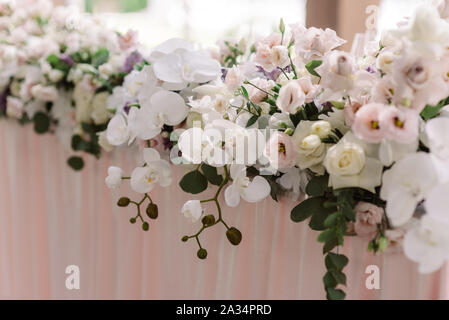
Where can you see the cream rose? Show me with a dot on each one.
(349, 165)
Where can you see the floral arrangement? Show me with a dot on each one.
(360, 142)
(58, 69)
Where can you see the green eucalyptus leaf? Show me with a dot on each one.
(335, 294)
(317, 186)
(329, 280)
(339, 276)
(306, 209)
(194, 182)
(327, 236)
(339, 261)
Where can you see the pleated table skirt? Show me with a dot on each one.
(52, 217)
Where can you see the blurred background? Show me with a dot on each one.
(206, 21)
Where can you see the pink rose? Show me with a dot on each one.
(367, 124)
(280, 151)
(399, 124)
(367, 216)
(291, 97)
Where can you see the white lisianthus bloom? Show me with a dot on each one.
(117, 132)
(279, 57)
(156, 171)
(250, 191)
(291, 97)
(428, 244)
(437, 134)
(192, 210)
(406, 184)
(164, 107)
(114, 178)
(349, 165)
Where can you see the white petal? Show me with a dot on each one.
(438, 134)
(237, 170)
(437, 203)
(171, 105)
(117, 132)
(257, 190)
(150, 155)
(168, 69)
(200, 68)
(139, 182)
(170, 46)
(232, 196)
(400, 208)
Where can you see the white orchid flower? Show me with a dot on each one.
(428, 244)
(192, 210)
(155, 171)
(176, 63)
(117, 132)
(114, 178)
(242, 187)
(406, 184)
(164, 107)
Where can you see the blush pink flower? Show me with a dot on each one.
(291, 97)
(310, 90)
(264, 51)
(400, 124)
(367, 124)
(280, 151)
(255, 94)
(128, 40)
(367, 216)
(350, 110)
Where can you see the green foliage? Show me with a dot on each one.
(312, 65)
(100, 57)
(41, 123)
(58, 64)
(211, 174)
(76, 163)
(194, 182)
(318, 186)
(431, 112)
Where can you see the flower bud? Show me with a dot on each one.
(208, 220)
(202, 254)
(152, 211)
(132, 220)
(123, 202)
(234, 236)
(185, 239)
(145, 226)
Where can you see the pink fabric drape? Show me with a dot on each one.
(52, 217)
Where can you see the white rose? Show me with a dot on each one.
(349, 166)
(82, 98)
(291, 97)
(192, 210)
(345, 159)
(43, 93)
(100, 113)
(14, 107)
(55, 75)
(114, 178)
(104, 143)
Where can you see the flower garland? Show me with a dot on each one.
(58, 69)
(361, 142)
